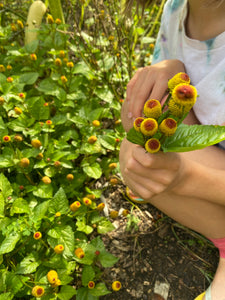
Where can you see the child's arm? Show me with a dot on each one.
(148, 82)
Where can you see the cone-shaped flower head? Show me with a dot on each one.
(52, 276)
(79, 253)
(152, 108)
(91, 284)
(101, 206)
(37, 235)
(38, 291)
(116, 285)
(168, 126)
(59, 249)
(87, 201)
(75, 206)
(152, 145)
(177, 79)
(137, 123)
(184, 94)
(149, 126)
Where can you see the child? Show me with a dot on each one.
(189, 187)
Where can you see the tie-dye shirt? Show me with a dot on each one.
(204, 61)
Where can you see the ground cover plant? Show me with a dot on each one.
(60, 130)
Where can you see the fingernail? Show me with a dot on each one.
(130, 115)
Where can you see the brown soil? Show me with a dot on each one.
(155, 249)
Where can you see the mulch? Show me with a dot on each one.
(152, 248)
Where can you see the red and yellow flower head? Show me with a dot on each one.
(149, 126)
(177, 79)
(116, 286)
(152, 145)
(152, 109)
(38, 291)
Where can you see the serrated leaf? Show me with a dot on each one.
(88, 274)
(84, 294)
(29, 78)
(9, 243)
(37, 108)
(93, 170)
(59, 202)
(66, 292)
(135, 137)
(107, 259)
(39, 212)
(19, 206)
(104, 94)
(6, 296)
(107, 141)
(105, 226)
(100, 290)
(28, 265)
(193, 137)
(5, 186)
(43, 191)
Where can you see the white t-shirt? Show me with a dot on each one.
(204, 61)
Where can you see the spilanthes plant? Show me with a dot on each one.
(161, 128)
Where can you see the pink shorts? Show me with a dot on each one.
(220, 244)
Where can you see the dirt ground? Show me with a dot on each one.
(154, 250)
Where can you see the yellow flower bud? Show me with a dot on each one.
(2, 69)
(101, 206)
(152, 145)
(87, 201)
(79, 253)
(96, 123)
(137, 123)
(116, 286)
(114, 214)
(38, 291)
(37, 235)
(36, 143)
(177, 79)
(24, 162)
(149, 126)
(52, 276)
(46, 180)
(33, 56)
(59, 249)
(69, 177)
(168, 126)
(75, 206)
(18, 110)
(152, 109)
(58, 62)
(50, 19)
(92, 139)
(91, 284)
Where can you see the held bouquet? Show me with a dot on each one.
(161, 128)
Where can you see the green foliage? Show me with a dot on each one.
(51, 91)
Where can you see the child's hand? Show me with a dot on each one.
(149, 174)
(150, 82)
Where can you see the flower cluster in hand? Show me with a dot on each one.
(160, 122)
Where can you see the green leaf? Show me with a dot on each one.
(107, 141)
(44, 191)
(107, 259)
(66, 292)
(98, 244)
(88, 274)
(19, 206)
(29, 78)
(105, 226)
(6, 296)
(93, 170)
(100, 290)
(193, 137)
(6, 161)
(65, 236)
(37, 108)
(28, 265)
(59, 202)
(82, 68)
(81, 226)
(84, 294)
(13, 282)
(39, 212)
(9, 243)
(104, 94)
(5, 186)
(2, 205)
(135, 137)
